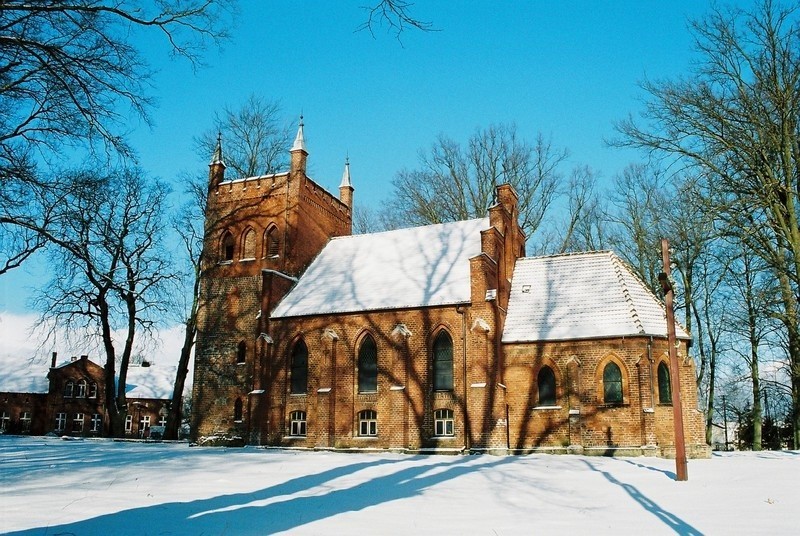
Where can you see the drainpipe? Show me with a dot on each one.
(461, 310)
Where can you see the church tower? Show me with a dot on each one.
(261, 233)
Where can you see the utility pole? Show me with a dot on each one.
(725, 417)
(681, 471)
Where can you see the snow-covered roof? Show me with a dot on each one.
(581, 296)
(414, 267)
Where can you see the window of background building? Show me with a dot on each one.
(69, 387)
(96, 423)
(61, 421)
(129, 423)
(25, 421)
(80, 392)
(5, 421)
(77, 423)
(92, 390)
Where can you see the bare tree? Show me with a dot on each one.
(736, 119)
(111, 271)
(455, 183)
(396, 15)
(188, 225)
(585, 227)
(254, 136)
(69, 73)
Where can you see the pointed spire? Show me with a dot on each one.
(346, 175)
(299, 140)
(216, 158)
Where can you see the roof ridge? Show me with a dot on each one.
(406, 229)
(569, 254)
(618, 267)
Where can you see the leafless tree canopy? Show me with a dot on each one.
(735, 121)
(455, 182)
(67, 68)
(396, 15)
(255, 138)
(112, 272)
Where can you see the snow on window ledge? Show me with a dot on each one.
(546, 408)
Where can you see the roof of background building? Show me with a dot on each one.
(414, 267)
(581, 296)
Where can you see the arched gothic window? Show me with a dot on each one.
(237, 410)
(368, 366)
(272, 246)
(664, 384)
(249, 244)
(612, 384)
(443, 362)
(299, 368)
(546, 385)
(226, 247)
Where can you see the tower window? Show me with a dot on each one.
(249, 244)
(241, 353)
(237, 410)
(272, 246)
(226, 247)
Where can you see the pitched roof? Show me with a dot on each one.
(581, 296)
(414, 267)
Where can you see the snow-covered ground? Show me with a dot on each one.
(86, 487)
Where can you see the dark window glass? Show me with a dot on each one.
(237, 410)
(612, 384)
(241, 352)
(368, 366)
(299, 372)
(546, 383)
(227, 247)
(664, 385)
(443, 362)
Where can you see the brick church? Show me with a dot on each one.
(441, 338)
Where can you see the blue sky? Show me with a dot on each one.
(567, 69)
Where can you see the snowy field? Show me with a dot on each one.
(87, 487)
